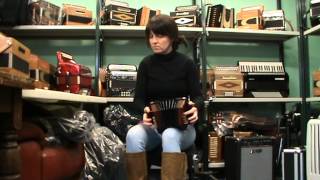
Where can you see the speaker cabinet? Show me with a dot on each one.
(249, 158)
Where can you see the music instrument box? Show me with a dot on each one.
(14, 57)
(71, 76)
(76, 15)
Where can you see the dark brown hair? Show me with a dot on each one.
(164, 25)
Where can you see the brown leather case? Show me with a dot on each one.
(228, 83)
(215, 148)
(36, 62)
(144, 14)
(250, 19)
(316, 91)
(77, 15)
(40, 72)
(14, 57)
(44, 13)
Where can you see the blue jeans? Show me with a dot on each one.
(142, 138)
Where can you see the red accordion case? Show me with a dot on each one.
(71, 76)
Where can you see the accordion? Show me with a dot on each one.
(45, 13)
(71, 76)
(169, 113)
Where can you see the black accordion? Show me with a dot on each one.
(170, 113)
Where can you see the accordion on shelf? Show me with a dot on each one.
(45, 13)
(264, 79)
(39, 72)
(187, 16)
(250, 17)
(76, 15)
(315, 12)
(169, 113)
(220, 16)
(118, 15)
(228, 81)
(121, 80)
(274, 20)
(144, 14)
(71, 76)
(14, 57)
(316, 83)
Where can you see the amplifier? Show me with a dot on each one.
(293, 164)
(249, 158)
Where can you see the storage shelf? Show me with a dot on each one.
(119, 99)
(313, 31)
(249, 34)
(50, 96)
(139, 31)
(313, 99)
(232, 100)
(50, 31)
(216, 165)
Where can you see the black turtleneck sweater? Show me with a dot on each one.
(167, 76)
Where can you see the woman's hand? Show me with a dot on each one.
(192, 113)
(147, 120)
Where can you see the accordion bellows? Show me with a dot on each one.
(169, 113)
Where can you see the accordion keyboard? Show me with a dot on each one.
(261, 67)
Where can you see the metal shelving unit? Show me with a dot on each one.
(313, 31)
(245, 100)
(51, 96)
(50, 31)
(138, 31)
(249, 34)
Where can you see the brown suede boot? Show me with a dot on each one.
(136, 165)
(174, 166)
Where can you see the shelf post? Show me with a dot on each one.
(303, 66)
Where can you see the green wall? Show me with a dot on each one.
(128, 51)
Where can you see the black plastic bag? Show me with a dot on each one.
(119, 120)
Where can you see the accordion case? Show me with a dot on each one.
(144, 14)
(185, 18)
(118, 15)
(220, 16)
(228, 82)
(250, 19)
(39, 72)
(76, 15)
(274, 20)
(45, 13)
(71, 76)
(14, 57)
(316, 83)
(315, 12)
